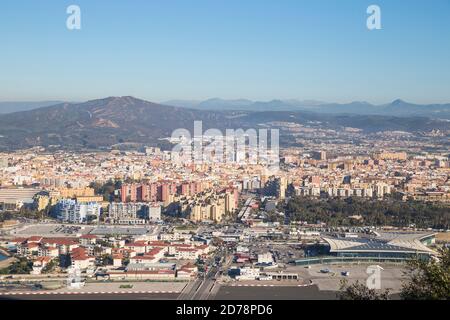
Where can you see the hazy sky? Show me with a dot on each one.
(198, 49)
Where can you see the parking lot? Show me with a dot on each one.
(50, 230)
(282, 253)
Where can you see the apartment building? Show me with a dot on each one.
(68, 210)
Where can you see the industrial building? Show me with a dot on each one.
(393, 246)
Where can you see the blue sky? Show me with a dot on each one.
(197, 49)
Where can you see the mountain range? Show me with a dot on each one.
(397, 108)
(95, 123)
(103, 123)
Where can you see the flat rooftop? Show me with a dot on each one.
(381, 242)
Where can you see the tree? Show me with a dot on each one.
(107, 259)
(107, 190)
(21, 266)
(51, 266)
(6, 215)
(359, 291)
(337, 212)
(428, 279)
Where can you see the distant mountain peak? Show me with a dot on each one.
(398, 102)
(119, 102)
(127, 99)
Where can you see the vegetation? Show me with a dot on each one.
(429, 280)
(6, 215)
(359, 291)
(200, 264)
(24, 212)
(51, 266)
(106, 260)
(107, 189)
(141, 113)
(339, 212)
(105, 243)
(274, 216)
(21, 266)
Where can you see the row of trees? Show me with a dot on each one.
(107, 190)
(24, 212)
(338, 212)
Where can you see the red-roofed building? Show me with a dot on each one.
(117, 260)
(144, 259)
(153, 255)
(87, 239)
(157, 252)
(48, 251)
(28, 249)
(187, 271)
(160, 244)
(40, 263)
(172, 250)
(64, 245)
(34, 239)
(187, 253)
(80, 259)
(127, 253)
(140, 247)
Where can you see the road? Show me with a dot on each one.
(204, 291)
(200, 288)
(190, 290)
(206, 287)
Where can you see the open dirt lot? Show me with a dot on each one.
(443, 236)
